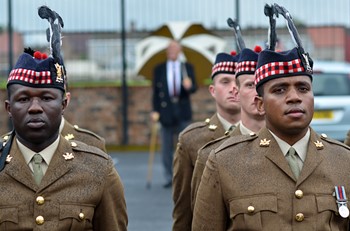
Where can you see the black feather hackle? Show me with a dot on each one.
(270, 11)
(237, 29)
(53, 33)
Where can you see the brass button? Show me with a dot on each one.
(251, 209)
(163, 104)
(39, 220)
(299, 217)
(76, 126)
(81, 216)
(73, 144)
(299, 194)
(40, 200)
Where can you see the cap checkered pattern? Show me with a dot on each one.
(30, 76)
(224, 63)
(224, 67)
(278, 68)
(288, 63)
(246, 66)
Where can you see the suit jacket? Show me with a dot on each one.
(71, 132)
(247, 184)
(80, 193)
(190, 140)
(171, 113)
(202, 158)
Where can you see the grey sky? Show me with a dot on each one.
(88, 15)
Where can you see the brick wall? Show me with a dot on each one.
(100, 110)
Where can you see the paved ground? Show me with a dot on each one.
(149, 209)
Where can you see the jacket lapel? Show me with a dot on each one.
(219, 131)
(58, 166)
(313, 158)
(273, 152)
(18, 169)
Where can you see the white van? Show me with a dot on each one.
(331, 86)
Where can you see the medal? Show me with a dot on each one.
(341, 201)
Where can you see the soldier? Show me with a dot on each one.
(224, 91)
(251, 120)
(48, 182)
(286, 177)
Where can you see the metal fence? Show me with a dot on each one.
(93, 44)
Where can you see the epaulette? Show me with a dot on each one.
(215, 141)
(195, 125)
(333, 141)
(77, 128)
(233, 140)
(82, 147)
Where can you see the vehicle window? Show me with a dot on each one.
(331, 84)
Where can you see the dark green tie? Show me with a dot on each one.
(292, 158)
(38, 172)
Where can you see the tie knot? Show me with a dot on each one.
(291, 151)
(38, 159)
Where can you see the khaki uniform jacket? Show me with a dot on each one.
(247, 184)
(202, 158)
(190, 140)
(73, 132)
(80, 193)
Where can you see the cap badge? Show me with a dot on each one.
(60, 73)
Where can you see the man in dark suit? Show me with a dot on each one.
(173, 83)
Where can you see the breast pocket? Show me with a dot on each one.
(248, 212)
(76, 216)
(9, 218)
(328, 214)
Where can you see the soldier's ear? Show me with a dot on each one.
(8, 108)
(259, 104)
(64, 104)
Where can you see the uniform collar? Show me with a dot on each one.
(225, 123)
(47, 153)
(300, 146)
(244, 130)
